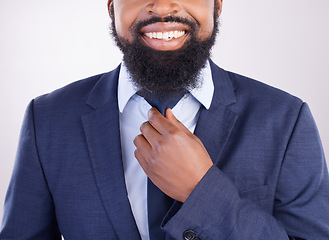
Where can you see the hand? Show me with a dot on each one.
(171, 156)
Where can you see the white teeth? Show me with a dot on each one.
(159, 35)
(167, 36)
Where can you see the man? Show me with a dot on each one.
(93, 156)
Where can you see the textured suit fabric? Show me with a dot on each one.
(269, 179)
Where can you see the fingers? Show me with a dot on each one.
(159, 122)
(166, 124)
(143, 148)
(159, 126)
(171, 117)
(142, 160)
(150, 133)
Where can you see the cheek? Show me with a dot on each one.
(122, 25)
(206, 29)
(125, 16)
(205, 17)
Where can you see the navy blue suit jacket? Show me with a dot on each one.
(269, 179)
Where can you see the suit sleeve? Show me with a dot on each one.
(215, 210)
(29, 212)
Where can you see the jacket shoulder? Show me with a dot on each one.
(253, 92)
(75, 96)
(77, 91)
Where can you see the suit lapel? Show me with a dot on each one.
(214, 128)
(103, 138)
(215, 124)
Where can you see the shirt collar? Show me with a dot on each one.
(203, 94)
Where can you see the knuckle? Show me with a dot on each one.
(137, 154)
(143, 126)
(172, 131)
(136, 139)
(151, 114)
(158, 147)
(160, 150)
(174, 136)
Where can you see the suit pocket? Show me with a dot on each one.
(256, 193)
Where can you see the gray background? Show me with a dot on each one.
(47, 44)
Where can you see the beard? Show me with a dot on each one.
(165, 72)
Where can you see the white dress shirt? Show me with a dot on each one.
(133, 112)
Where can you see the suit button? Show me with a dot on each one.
(189, 235)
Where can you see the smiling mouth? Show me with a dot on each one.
(167, 36)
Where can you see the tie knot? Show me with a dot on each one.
(162, 102)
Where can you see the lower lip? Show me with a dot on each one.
(163, 45)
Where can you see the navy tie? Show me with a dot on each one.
(164, 102)
(158, 203)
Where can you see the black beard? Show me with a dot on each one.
(165, 72)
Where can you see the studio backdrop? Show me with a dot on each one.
(47, 44)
